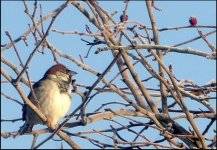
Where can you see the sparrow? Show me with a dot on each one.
(53, 98)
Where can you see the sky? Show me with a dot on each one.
(174, 14)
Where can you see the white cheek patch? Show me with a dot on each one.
(63, 77)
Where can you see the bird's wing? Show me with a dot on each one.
(31, 98)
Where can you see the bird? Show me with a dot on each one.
(53, 98)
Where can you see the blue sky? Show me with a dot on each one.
(174, 14)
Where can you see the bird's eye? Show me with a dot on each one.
(67, 71)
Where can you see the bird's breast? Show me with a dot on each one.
(55, 104)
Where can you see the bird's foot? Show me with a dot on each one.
(51, 126)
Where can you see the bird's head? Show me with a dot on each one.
(60, 72)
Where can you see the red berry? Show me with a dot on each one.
(193, 21)
(123, 18)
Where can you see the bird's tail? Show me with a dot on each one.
(26, 128)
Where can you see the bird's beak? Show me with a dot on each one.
(72, 73)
